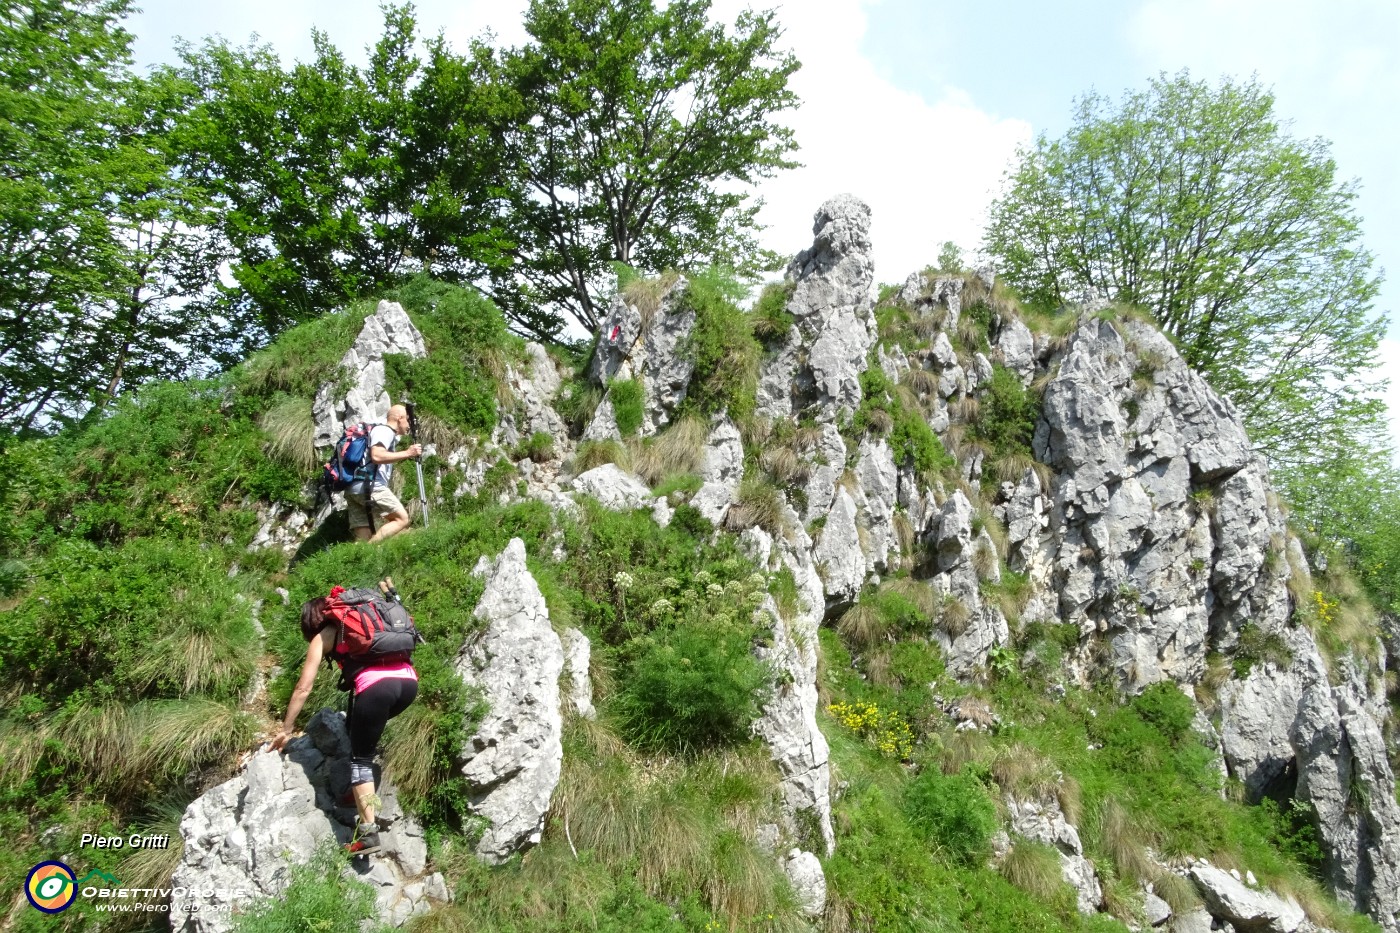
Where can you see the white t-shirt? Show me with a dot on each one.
(381, 435)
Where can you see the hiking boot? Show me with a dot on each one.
(365, 842)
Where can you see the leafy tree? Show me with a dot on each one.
(101, 242)
(629, 129)
(339, 181)
(1352, 508)
(1193, 202)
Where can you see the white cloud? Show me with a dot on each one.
(927, 169)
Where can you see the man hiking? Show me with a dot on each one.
(375, 512)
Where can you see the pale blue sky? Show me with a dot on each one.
(918, 105)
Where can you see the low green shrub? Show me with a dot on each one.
(150, 619)
(1168, 709)
(771, 321)
(538, 447)
(914, 443)
(1007, 415)
(692, 521)
(691, 686)
(954, 813)
(174, 459)
(320, 897)
(303, 358)
(461, 378)
(1256, 646)
(881, 411)
(723, 346)
(628, 399)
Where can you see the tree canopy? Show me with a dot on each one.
(619, 133)
(629, 131)
(334, 180)
(103, 248)
(1195, 203)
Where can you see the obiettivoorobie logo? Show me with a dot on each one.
(52, 888)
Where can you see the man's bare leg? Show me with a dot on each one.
(397, 522)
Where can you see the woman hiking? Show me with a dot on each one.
(380, 689)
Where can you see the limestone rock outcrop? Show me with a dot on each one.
(1152, 465)
(804, 872)
(721, 470)
(818, 366)
(513, 759)
(1250, 910)
(643, 337)
(614, 488)
(1043, 821)
(388, 330)
(577, 651)
(533, 386)
(243, 837)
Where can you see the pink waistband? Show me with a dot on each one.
(370, 676)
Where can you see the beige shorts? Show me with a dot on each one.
(385, 505)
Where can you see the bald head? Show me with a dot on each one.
(397, 419)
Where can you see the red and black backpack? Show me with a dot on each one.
(370, 628)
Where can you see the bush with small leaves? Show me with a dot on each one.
(954, 813)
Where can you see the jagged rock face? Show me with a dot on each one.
(244, 836)
(1258, 715)
(955, 547)
(645, 338)
(1145, 451)
(825, 461)
(1016, 345)
(878, 491)
(819, 365)
(923, 295)
(804, 872)
(1159, 536)
(721, 470)
(1251, 911)
(285, 526)
(789, 720)
(533, 387)
(387, 330)
(838, 552)
(512, 761)
(577, 651)
(1343, 771)
(1043, 821)
(614, 488)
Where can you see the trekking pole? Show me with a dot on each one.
(418, 461)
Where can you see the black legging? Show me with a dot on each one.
(370, 712)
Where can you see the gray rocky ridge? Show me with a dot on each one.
(818, 366)
(1043, 821)
(242, 838)
(641, 337)
(1147, 525)
(512, 761)
(388, 330)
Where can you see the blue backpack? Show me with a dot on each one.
(350, 461)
